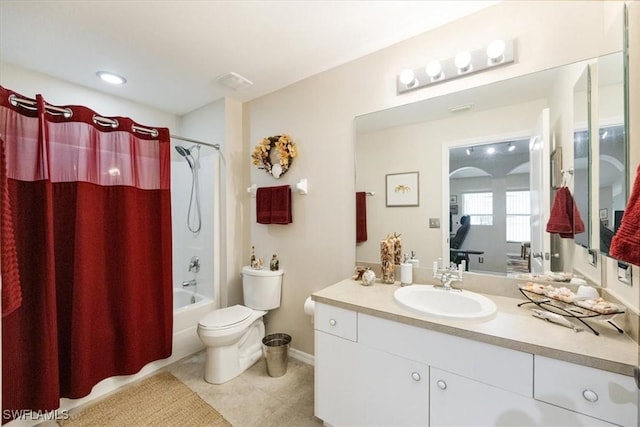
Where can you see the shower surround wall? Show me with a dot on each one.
(187, 244)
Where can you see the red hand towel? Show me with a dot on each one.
(281, 205)
(574, 214)
(263, 205)
(11, 290)
(559, 220)
(625, 244)
(361, 217)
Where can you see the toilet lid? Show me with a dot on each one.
(225, 317)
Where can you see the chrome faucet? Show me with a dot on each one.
(191, 282)
(448, 276)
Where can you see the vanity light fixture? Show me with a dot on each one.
(495, 54)
(111, 78)
(469, 151)
(491, 150)
(511, 147)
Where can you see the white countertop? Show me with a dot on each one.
(512, 327)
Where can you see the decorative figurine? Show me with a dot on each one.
(274, 265)
(253, 261)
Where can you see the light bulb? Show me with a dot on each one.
(511, 147)
(491, 150)
(463, 62)
(495, 51)
(434, 70)
(407, 77)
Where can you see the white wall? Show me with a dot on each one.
(318, 248)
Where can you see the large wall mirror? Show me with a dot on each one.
(478, 152)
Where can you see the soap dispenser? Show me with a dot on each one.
(413, 260)
(406, 272)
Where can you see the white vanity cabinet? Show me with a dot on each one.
(374, 371)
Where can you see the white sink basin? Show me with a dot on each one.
(453, 304)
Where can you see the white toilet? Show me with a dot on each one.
(233, 335)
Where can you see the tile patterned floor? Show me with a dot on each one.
(254, 398)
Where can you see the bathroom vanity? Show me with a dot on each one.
(378, 363)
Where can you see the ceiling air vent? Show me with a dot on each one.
(233, 81)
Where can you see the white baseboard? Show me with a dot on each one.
(302, 356)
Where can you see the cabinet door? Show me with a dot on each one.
(336, 398)
(394, 391)
(360, 386)
(458, 401)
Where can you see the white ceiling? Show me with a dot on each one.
(172, 51)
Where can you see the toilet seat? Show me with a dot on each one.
(226, 318)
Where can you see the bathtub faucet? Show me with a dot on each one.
(189, 283)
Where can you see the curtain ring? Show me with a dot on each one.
(103, 121)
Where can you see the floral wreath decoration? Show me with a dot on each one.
(285, 148)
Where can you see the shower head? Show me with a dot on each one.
(186, 153)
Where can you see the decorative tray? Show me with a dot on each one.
(564, 302)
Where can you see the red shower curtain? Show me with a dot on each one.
(91, 219)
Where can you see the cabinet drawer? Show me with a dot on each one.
(498, 366)
(336, 321)
(605, 395)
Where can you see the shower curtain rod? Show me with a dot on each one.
(67, 112)
(182, 138)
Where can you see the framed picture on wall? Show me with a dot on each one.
(453, 200)
(604, 213)
(402, 189)
(453, 209)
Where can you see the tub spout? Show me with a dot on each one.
(189, 283)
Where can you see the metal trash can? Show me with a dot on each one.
(276, 351)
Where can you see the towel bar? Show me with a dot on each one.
(302, 186)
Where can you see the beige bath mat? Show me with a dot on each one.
(159, 401)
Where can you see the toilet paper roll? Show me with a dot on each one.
(309, 307)
(406, 274)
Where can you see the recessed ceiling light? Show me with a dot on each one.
(111, 78)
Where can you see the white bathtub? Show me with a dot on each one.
(186, 316)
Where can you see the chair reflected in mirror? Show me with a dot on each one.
(456, 253)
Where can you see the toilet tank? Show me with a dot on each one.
(261, 288)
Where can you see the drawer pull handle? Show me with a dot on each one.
(441, 384)
(590, 395)
(332, 322)
(415, 376)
